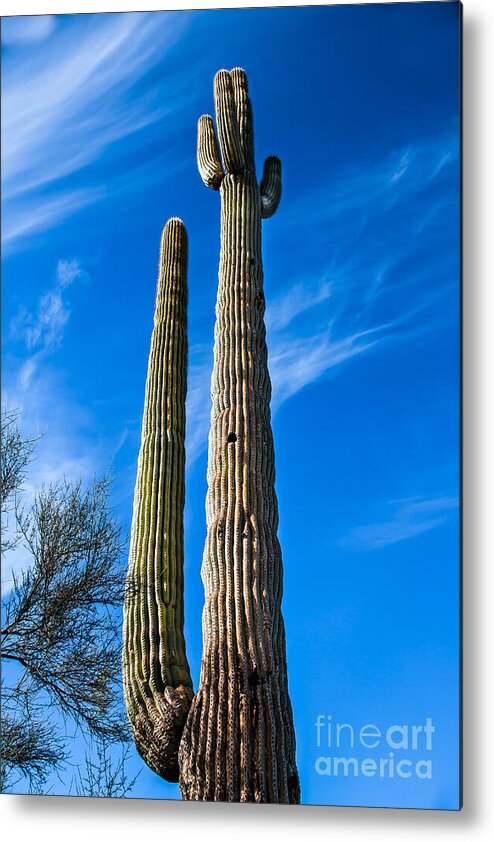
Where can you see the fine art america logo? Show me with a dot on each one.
(398, 751)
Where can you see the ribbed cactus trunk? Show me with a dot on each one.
(157, 683)
(239, 742)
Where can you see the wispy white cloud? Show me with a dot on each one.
(69, 445)
(36, 214)
(303, 340)
(294, 363)
(66, 102)
(403, 165)
(300, 298)
(372, 224)
(410, 517)
(65, 446)
(75, 91)
(26, 29)
(43, 331)
(366, 193)
(67, 272)
(35, 385)
(33, 388)
(198, 409)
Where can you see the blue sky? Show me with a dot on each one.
(361, 103)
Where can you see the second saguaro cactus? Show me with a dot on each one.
(234, 739)
(156, 677)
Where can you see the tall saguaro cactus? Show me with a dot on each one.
(157, 683)
(234, 740)
(239, 743)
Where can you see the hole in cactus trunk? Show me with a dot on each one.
(231, 438)
(293, 785)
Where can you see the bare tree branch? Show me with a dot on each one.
(16, 453)
(104, 777)
(61, 620)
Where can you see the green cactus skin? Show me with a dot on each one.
(156, 676)
(239, 742)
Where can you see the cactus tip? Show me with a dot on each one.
(239, 75)
(174, 231)
(222, 80)
(174, 222)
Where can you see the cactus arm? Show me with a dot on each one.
(157, 682)
(208, 153)
(227, 122)
(270, 186)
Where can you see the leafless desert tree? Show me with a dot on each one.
(60, 634)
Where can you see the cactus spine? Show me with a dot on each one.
(157, 683)
(234, 740)
(239, 742)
